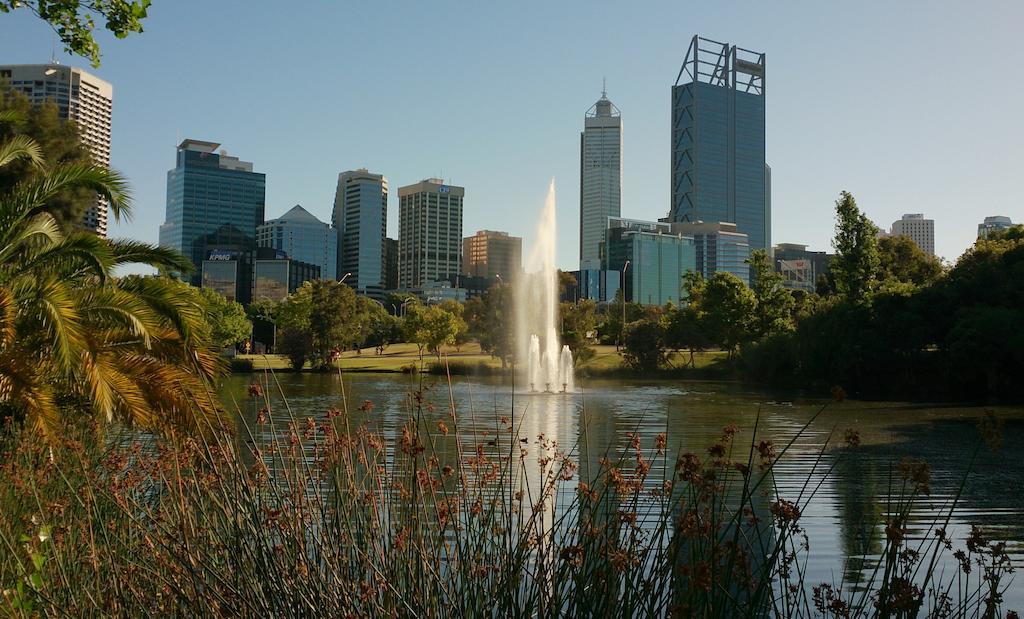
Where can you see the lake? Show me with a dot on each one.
(602, 415)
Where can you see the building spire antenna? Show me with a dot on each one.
(604, 87)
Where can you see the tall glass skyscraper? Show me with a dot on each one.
(361, 218)
(302, 237)
(600, 177)
(718, 140)
(658, 258)
(720, 247)
(213, 202)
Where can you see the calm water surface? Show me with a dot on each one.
(838, 518)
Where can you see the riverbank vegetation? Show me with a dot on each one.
(307, 513)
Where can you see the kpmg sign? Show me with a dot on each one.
(750, 68)
(220, 254)
(444, 189)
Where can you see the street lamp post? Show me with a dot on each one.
(344, 277)
(405, 303)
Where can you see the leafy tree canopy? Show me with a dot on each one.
(856, 262)
(644, 348)
(228, 322)
(774, 304)
(432, 326)
(74, 21)
(901, 260)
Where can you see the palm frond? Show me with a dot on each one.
(109, 308)
(81, 251)
(33, 196)
(164, 258)
(20, 239)
(10, 116)
(115, 393)
(175, 302)
(25, 387)
(20, 147)
(60, 315)
(8, 311)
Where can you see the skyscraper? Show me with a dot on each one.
(302, 237)
(992, 224)
(81, 97)
(718, 140)
(720, 247)
(361, 218)
(491, 254)
(429, 232)
(213, 202)
(600, 177)
(658, 258)
(918, 229)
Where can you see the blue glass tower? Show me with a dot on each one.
(719, 172)
(658, 258)
(214, 202)
(303, 237)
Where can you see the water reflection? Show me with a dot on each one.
(843, 519)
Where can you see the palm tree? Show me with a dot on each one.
(73, 338)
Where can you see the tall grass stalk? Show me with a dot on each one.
(295, 515)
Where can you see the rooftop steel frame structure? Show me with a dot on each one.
(721, 64)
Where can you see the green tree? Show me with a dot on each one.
(135, 349)
(228, 322)
(578, 321)
(262, 308)
(856, 262)
(644, 348)
(74, 21)
(774, 309)
(567, 285)
(685, 331)
(430, 327)
(59, 144)
(610, 325)
(457, 309)
(728, 309)
(321, 319)
(386, 330)
(901, 260)
(490, 322)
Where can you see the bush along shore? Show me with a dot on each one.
(295, 515)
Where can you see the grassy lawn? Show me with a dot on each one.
(399, 356)
(607, 359)
(395, 358)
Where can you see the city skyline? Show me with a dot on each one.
(823, 133)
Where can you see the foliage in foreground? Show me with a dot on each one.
(74, 21)
(326, 516)
(73, 338)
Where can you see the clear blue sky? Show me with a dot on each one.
(912, 106)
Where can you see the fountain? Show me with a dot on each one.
(549, 366)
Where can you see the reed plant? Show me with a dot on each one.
(296, 515)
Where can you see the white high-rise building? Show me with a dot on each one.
(600, 177)
(918, 229)
(429, 232)
(81, 97)
(361, 218)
